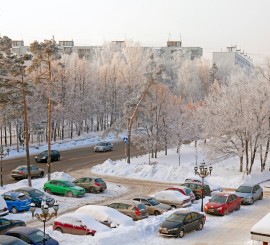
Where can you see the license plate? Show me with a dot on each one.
(211, 210)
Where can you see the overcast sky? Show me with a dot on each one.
(210, 24)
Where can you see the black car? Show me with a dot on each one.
(31, 235)
(43, 156)
(37, 196)
(180, 222)
(11, 240)
(7, 224)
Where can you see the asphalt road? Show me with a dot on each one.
(71, 160)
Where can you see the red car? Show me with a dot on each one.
(222, 204)
(184, 190)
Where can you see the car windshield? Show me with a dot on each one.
(101, 144)
(153, 201)
(176, 217)
(23, 197)
(244, 189)
(141, 206)
(37, 236)
(188, 191)
(21, 168)
(219, 199)
(36, 193)
(99, 180)
(44, 153)
(69, 184)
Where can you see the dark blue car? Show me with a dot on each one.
(31, 235)
(17, 201)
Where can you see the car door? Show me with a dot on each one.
(34, 171)
(194, 221)
(188, 224)
(123, 208)
(150, 209)
(256, 192)
(80, 182)
(230, 203)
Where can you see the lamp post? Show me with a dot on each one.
(2, 155)
(45, 215)
(203, 172)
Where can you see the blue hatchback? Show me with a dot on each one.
(17, 201)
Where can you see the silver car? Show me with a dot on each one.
(103, 146)
(21, 172)
(249, 193)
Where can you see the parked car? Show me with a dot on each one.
(134, 209)
(31, 235)
(103, 146)
(43, 156)
(154, 207)
(184, 190)
(213, 187)
(3, 207)
(37, 196)
(196, 188)
(10, 240)
(7, 224)
(63, 187)
(249, 193)
(106, 215)
(91, 184)
(222, 204)
(181, 222)
(17, 201)
(173, 198)
(78, 224)
(21, 172)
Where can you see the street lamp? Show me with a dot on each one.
(2, 155)
(203, 172)
(45, 215)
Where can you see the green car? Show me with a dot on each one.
(63, 187)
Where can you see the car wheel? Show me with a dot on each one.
(261, 196)
(58, 158)
(238, 207)
(59, 229)
(48, 191)
(200, 226)
(41, 175)
(156, 212)
(92, 189)
(89, 234)
(181, 233)
(251, 201)
(226, 212)
(173, 206)
(69, 194)
(14, 210)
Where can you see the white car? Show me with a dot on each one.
(103, 146)
(174, 198)
(106, 215)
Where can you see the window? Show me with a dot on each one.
(194, 216)
(122, 206)
(188, 217)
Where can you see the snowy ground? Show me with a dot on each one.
(164, 168)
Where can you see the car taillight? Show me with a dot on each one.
(137, 211)
(5, 209)
(21, 173)
(204, 217)
(97, 184)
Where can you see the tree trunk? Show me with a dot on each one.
(247, 159)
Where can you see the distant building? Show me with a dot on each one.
(88, 52)
(231, 59)
(19, 48)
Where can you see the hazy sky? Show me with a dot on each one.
(210, 24)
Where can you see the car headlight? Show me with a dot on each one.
(43, 157)
(219, 208)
